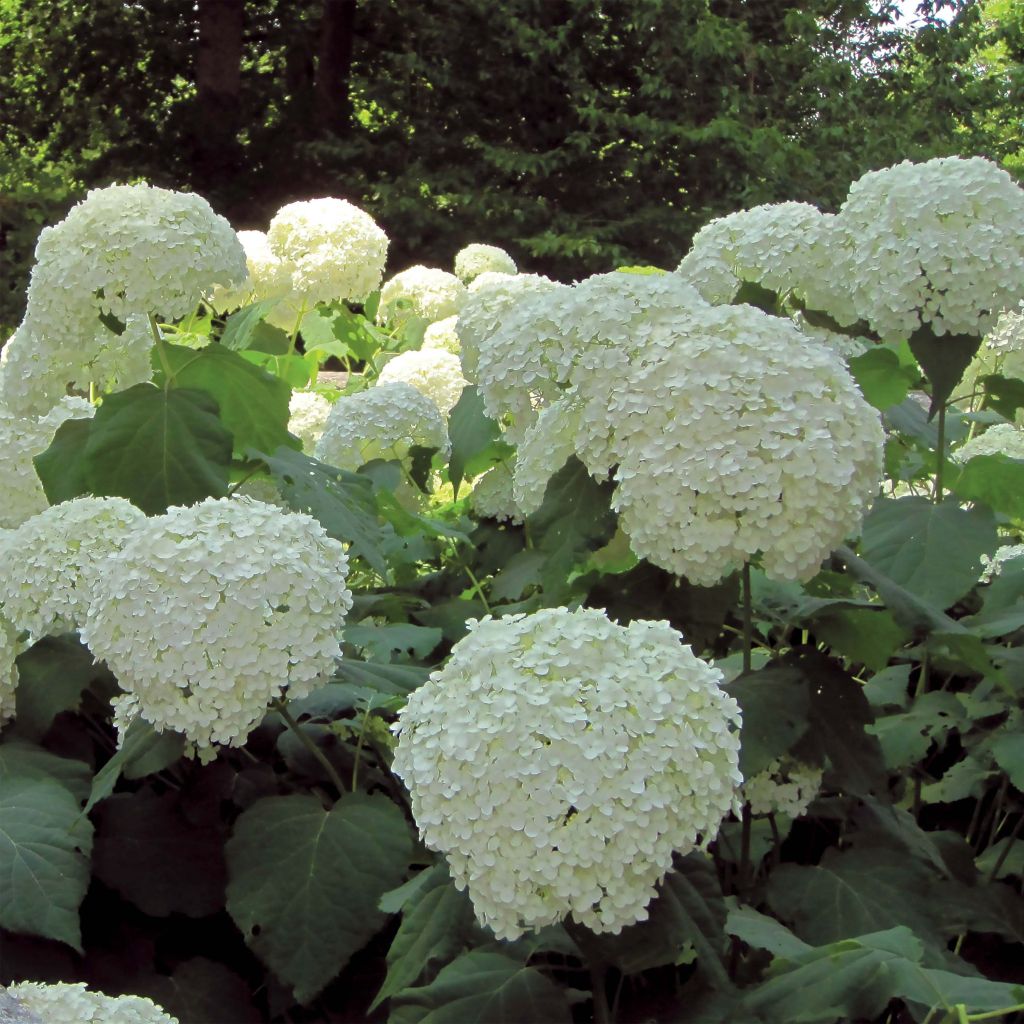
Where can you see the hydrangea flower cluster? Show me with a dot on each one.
(1001, 439)
(9, 651)
(208, 613)
(994, 565)
(476, 259)
(784, 787)
(333, 250)
(420, 291)
(1001, 351)
(69, 1002)
(53, 559)
(939, 243)
(492, 497)
(308, 412)
(22, 438)
(433, 372)
(559, 759)
(383, 422)
(443, 334)
(127, 251)
(268, 277)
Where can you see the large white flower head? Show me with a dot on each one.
(784, 787)
(939, 243)
(308, 412)
(208, 613)
(433, 372)
(52, 561)
(22, 438)
(333, 250)
(443, 334)
(492, 497)
(559, 759)
(423, 292)
(10, 648)
(383, 422)
(1001, 439)
(730, 436)
(476, 259)
(268, 276)
(67, 1002)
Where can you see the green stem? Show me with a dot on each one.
(282, 710)
(1006, 849)
(161, 352)
(478, 589)
(993, 1014)
(359, 749)
(744, 869)
(748, 619)
(941, 460)
(602, 1012)
(294, 336)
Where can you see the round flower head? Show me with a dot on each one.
(994, 566)
(268, 277)
(53, 560)
(784, 787)
(308, 412)
(558, 760)
(422, 292)
(74, 1002)
(10, 648)
(22, 438)
(432, 372)
(333, 250)
(1001, 439)
(442, 334)
(939, 243)
(476, 259)
(381, 423)
(492, 498)
(208, 613)
(1001, 351)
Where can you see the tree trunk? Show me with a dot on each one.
(334, 65)
(218, 91)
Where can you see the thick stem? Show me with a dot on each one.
(748, 619)
(158, 343)
(941, 459)
(602, 1012)
(744, 871)
(282, 710)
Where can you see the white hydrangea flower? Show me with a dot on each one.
(490, 298)
(10, 648)
(939, 243)
(784, 787)
(1001, 351)
(443, 334)
(1001, 439)
(383, 422)
(994, 565)
(268, 276)
(69, 1003)
(845, 346)
(21, 439)
(476, 259)
(333, 250)
(424, 292)
(208, 613)
(53, 560)
(492, 497)
(432, 372)
(558, 760)
(308, 412)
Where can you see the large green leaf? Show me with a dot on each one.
(240, 327)
(775, 705)
(475, 438)
(158, 448)
(943, 359)
(142, 751)
(995, 480)
(483, 987)
(45, 843)
(201, 991)
(51, 677)
(304, 882)
(1004, 394)
(933, 551)
(27, 761)
(1002, 608)
(253, 404)
(62, 468)
(883, 381)
(392, 640)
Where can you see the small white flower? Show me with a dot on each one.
(433, 372)
(784, 787)
(422, 292)
(476, 259)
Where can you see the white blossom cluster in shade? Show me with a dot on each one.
(268, 276)
(308, 412)
(73, 1003)
(442, 334)
(52, 561)
(208, 613)
(1001, 439)
(939, 243)
(784, 787)
(476, 259)
(383, 422)
(424, 292)
(127, 251)
(994, 565)
(433, 372)
(22, 438)
(333, 250)
(490, 298)
(10, 648)
(558, 760)
(729, 436)
(492, 497)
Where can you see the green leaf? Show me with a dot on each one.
(437, 921)
(385, 642)
(252, 403)
(752, 294)
(45, 844)
(158, 448)
(483, 987)
(304, 882)
(51, 677)
(201, 991)
(240, 326)
(27, 761)
(867, 636)
(62, 468)
(475, 438)
(933, 551)
(763, 932)
(1002, 607)
(906, 736)
(943, 360)
(775, 705)
(995, 480)
(142, 746)
(1004, 394)
(1008, 751)
(1012, 863)
(882, 380)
